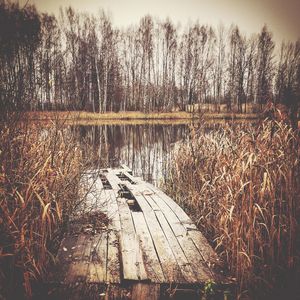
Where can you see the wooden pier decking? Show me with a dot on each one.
(148, 240)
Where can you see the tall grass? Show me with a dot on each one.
(242, 186)
(39, 175)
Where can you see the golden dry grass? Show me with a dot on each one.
(242, 187)
(39, 177)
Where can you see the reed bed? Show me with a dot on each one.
(241, 184)
(39, 175)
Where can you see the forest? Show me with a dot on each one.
(78, 61)
(143, 91)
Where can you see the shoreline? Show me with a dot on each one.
(129, 116)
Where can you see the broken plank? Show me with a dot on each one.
(134, 179)
(141, 189)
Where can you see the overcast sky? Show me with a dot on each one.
(282, 16)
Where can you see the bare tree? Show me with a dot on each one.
(264, 66)
(287, 78)
(82, 62)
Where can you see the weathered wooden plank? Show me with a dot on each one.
(87, 249)
(168, 262)
(180, 213)
(117, 292)
(98, 257)
(151, 261)
(96, 198)
(208, 254)
(132, 178)
(132, 261)
(142, 189)
(165, 254)
(77, 270)
(192, 254)
(113, 180)
(144, 291)
(113, 211)
(154, 240)
(126, 169)
(113, 270)
(113, 244)
(183, 262)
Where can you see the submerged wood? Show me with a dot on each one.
(148, 239)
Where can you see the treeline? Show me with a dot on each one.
(82, 62)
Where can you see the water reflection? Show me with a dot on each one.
(144, 148)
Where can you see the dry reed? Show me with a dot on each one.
(39, 175)
(242, 187)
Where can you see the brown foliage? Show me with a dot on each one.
(242, 186)
(38, 184)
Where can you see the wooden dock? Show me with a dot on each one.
(146, 242)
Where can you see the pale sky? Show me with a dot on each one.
(281, 16)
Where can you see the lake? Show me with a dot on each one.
(146, 148)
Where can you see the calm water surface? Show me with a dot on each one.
(146, 149)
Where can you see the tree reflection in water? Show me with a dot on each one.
(146, 148)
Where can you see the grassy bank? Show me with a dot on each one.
(242, 187)
(39, 175)
(80, 116)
